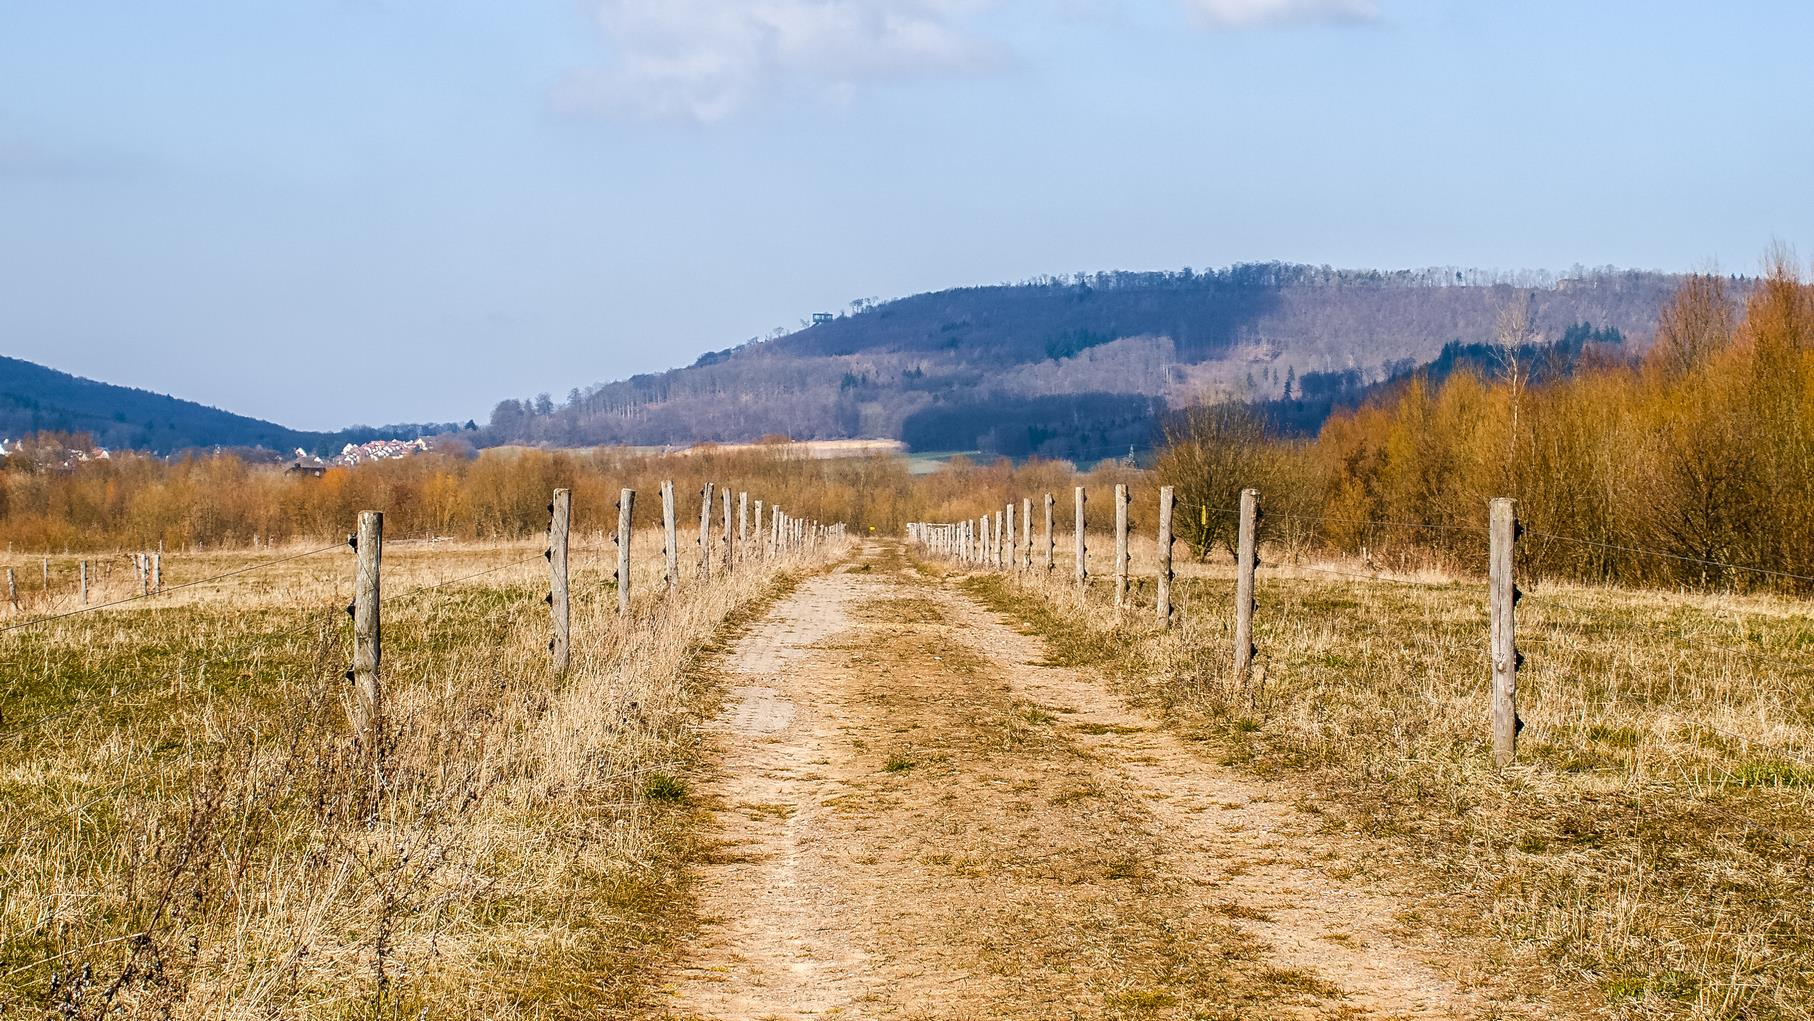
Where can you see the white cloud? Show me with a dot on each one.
(706, 59)
(1254, 13)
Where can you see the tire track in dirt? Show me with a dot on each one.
(912, 820)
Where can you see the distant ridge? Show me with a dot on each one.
(1084, 365)
(34, 399)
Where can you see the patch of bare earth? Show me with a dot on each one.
(913, 820)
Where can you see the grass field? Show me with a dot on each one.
(1654, 844)
(187, 830)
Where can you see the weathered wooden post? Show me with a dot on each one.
(626, 515)
(1051, 537)
(144, 574)
(1013, 540)
(368, 693)
(1246, 559)
(560, 520)
(743, 524)
(705, 531)
(83, 583)
(1082, 571)
(47, 574)
(157, 571)
(671, 550)
(1121, 552)
(1163, 540)
(1503, 600)
(729, 549)
(761, 544)
(1026, 534)
(995, 548)
(12, 589)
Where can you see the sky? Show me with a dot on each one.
(327, 212)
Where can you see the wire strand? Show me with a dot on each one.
(165, 590)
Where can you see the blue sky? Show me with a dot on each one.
(329, 211)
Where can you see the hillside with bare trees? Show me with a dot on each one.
(1081, 365)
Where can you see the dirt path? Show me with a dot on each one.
(915, 820)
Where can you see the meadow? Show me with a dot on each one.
(1652, 847)
(187, 829)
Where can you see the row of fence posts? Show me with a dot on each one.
(784, 534)
(148, 572)
(989, 541)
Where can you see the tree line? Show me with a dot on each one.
(1691, 464)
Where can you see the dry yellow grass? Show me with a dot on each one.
(1654, 844)
(186, 829)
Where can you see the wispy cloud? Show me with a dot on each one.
(1256, 13)
(705, 60)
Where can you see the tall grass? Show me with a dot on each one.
(1655, 839)
(187, 829)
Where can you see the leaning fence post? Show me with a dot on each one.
(671, 534)
(560, 518)
(368, 713)
(84, 583)
(1081, 571)
(12, 589)
(1503, 599)
(1163, 542)
(1120, 545)
(1246, 559)
(626, 513)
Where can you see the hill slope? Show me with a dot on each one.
(1076, 366)
(34, 398)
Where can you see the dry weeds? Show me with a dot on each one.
(187, 830)
(1655, 841)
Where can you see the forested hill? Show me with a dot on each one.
(38, 399)
(1080, 365)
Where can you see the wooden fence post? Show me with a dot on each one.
(705, 531)
(761, 545)
(1051, 542)
(368, 712)
(671, 534)
(560, 519)
(1163, 542)
(1026, 534)
(1013, 541)
(1503, 600)
(157, 571)
(995, 546)
(83, 583)
(730, 551)
(1246, 559)
(144, 575)
(743, 524)
(1082, 551)
(12, 589)
(626, 516)
(46, 574)
(1121, 553)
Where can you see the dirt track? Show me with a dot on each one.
(916, 820)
